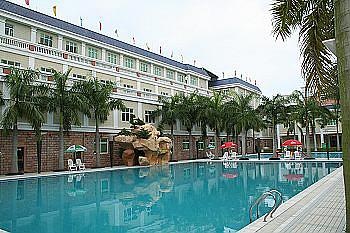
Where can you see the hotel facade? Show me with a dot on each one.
(29, 39)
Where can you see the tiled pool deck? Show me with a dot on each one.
(319, 208)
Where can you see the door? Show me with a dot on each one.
(20, 159)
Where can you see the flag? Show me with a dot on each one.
(100, 25)
(182, 58)
(116, 32)
(27, 2)
(194, 62)
(54, 9)
(81, 22)
(172, 54)
(148, 48)
(133, 40)
(160, 49)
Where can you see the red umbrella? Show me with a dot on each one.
(228, 145)
(294, 177)
(292, 142)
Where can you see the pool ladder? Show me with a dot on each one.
(272, 193)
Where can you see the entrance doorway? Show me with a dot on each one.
(20, 159)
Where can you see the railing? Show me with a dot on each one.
(272, 193)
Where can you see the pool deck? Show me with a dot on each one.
(51, 173)
(319, 208)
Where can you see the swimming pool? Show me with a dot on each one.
(187, 197)
(314, 154)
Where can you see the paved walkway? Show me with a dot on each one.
(320, 208)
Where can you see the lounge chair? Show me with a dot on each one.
(297, 155)
(71, 165)
(226, 156)
(80, 165)
(287, 154)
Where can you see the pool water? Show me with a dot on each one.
(323, 155)
(188, 197)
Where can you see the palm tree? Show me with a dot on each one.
(257, 123)
(99, 105)
(203, 116)
(188, 114)
(20, 105)
(67, 104)
(244, 116)
(215, 113)
(273, 109)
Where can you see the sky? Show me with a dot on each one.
(222, 36)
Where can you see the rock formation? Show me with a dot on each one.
(144, 140)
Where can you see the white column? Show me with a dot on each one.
(278, 136)
(31, 63)
(33, 34)
(172, 92)
(156, 89)
(65, 68)
(299, 134)
(322, 136)
(137, 67)
(116, 119)
(83, 47)
(60, 42)
(121, 61)
(139, 110)
(103, 55)
(152, 69)
(138, 85)
(2, 26)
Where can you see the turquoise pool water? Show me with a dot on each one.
(189, 197)
(314, 154)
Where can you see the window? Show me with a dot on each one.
(79, 76)
(10, 63)
(104, 145)
(129, 62)
(200, 145)
(112, 58)
(158, 70)
(92, 52)
(128, 86)
(194, 81)
(144, 67)
(181, 78)
(332, 122)
(46, 70)
(71, 47)
(164, 93)
(8, 29)
(185, 144)
(127, 114)
(147, 90)
(149, 118)
(170, 74)
(45, 39)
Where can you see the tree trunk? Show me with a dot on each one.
(253, 141)
(14, 164)
(97, 142)
(337, 129)
(307, 139)
(314, 134)
(61, 144)
(190, 143)
(342, 35)
(244, 138)
(172, 141)
(273, 136)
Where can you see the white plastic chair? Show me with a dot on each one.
(71, 165)
(287, 154)
(297, 155)
(233, 155)
(80, 165)
(210, 155)
(225, 156)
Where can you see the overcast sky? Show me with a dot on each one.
(222, 35)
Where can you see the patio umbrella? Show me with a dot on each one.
(292, 142)
(76, 148)
(294, 177)
(228, 145)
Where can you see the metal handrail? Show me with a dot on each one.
(271, 193)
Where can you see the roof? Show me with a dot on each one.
(46, 19)
(233, 80)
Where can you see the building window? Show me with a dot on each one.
(129, 62)
(149, 118)
(181, 77)
(112, 58)
(104, 145)
(164, 93)
(200, 145)
(79, 76)
(332, 123)
(170, 74)
(144, 67)
(92, 52)
(185, 144)
(129, 87)
(10, 63)
(71, 47)
(8, 29)
(127, 114)
(46, 70)
(158, 70)
(45, 39)
(194, 81)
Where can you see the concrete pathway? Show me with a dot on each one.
(319, 208)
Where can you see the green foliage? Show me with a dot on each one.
(125, 132)
(136, 122)
(143, 133)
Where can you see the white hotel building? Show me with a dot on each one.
(29, 39)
